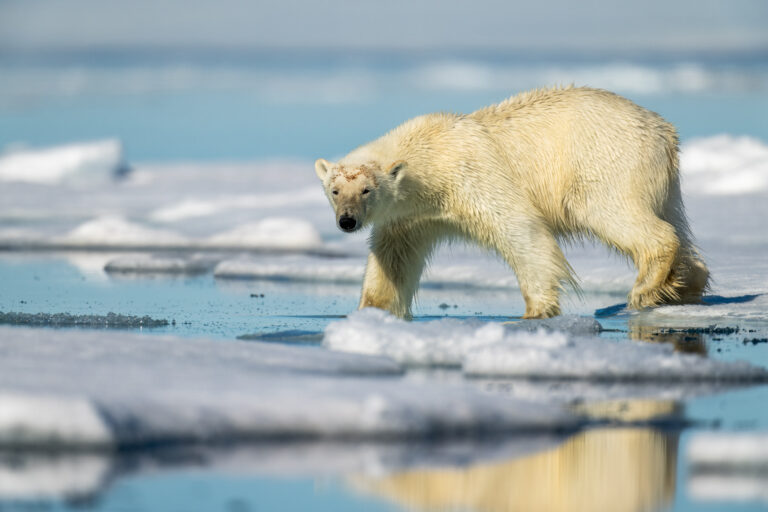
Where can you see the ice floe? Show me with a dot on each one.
(97, 160)
(161, 264)
(273, 232)
(558, 348)
(120, 389)
(725, 165)
(295, 268)
(115, 231)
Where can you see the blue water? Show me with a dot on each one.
(239, 126)
(281, 113)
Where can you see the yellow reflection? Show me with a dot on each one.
(683, 340)
(614, 469)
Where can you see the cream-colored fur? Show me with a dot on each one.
(515, 177)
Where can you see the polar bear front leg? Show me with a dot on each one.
(397, 258)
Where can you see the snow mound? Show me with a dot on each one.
(725, 165)
(557, 348)
(445, 342)
(272, 232)
(118, 389)
(54, 165)
(115, 231)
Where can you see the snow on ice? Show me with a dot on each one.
(75, 388)
(557, 348)
(97, 160)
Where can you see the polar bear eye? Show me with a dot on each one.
(335, 192)
(365, 191)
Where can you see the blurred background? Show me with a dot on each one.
(184, 80)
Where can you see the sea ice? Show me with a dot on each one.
(115, 231)
(270, 233)
(725, 165)
(161, 264)
(85, 161)
(120, 389)
(294, 268)
(559, 348)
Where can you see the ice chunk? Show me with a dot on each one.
(445, 342)
(511, 350)
(725, 165)
(53, 165)
(152, 390)
(116, 231)
(596, 358)
(272, 232)
(51, 419)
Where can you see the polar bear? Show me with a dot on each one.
(516, 177)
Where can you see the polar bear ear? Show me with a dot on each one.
(321, 167)
(396, 170)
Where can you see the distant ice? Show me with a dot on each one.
(161, 264)
(352, 83)
(203, 207)
(558, 348)
(725, 165)
(114, 231)
(110, 320)
(85, 161)
(107, 388)
(270, 233)
(295, 268)
(474, 270)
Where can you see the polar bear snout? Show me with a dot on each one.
(348, 223)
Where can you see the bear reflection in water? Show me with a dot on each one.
(607, 469)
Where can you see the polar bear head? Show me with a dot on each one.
(360, 193)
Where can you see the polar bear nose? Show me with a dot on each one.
(347, 223)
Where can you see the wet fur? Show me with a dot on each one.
(516, 177)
